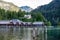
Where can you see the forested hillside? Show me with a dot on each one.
(51, 12)
(8, 15)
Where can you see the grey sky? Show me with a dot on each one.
(32, 3)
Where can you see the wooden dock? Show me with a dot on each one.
(21, 25)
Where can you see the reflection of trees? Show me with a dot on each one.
(10, 34)
(1, 37)
(21, 33)
(53, 33)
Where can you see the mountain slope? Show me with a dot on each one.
(26, 8)
(55, 4)
(51, 11)
(8, 6)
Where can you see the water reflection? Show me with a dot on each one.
(23, 33)
(19, 33)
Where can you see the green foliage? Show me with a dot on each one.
(50, 11)
(48, 23)
(27, 20)
(6, 15)
(58, 24)
(37, 16)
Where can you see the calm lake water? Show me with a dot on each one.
(28, 33)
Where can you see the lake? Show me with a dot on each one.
(29, 33)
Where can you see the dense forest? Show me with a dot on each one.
(51, 12)
(8, 15)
